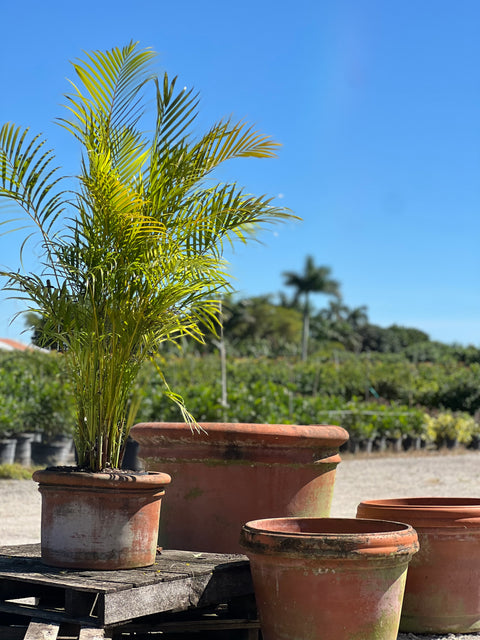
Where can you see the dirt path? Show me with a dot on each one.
(20, 507)
(404, 475)
(357, 479)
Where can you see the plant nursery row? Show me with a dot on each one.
(383, 401)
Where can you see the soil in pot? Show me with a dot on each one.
(442, 593)
(328, 578)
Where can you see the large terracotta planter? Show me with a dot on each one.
(328, 578)
(232, 473)
(99, 520)
(442, 594)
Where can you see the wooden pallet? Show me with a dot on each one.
(39, 630)
(95, 601)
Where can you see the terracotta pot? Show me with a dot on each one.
(99, 520)
(328, 578)
(232, 473)
(442, 594)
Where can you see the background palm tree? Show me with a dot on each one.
(342, 323)
(313, 280)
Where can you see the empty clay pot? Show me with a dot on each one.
(328, 578)
(442, 593)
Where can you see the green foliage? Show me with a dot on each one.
(132, 252)
(374, 420)
(34, 394)
(392, 339)
(450, 426)
(256, 326)
(323, 390)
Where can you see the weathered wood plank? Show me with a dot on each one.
(158, 598)
(23, 550)
(90, 633)
(32, 553)
(42, 631)
(167, 566)
(226, 585)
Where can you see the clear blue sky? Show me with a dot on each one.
(376, 104)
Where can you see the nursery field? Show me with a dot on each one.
(359, 478)
(383, 400)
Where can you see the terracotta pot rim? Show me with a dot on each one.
(426, 513)
(324, 527)
(329, 537)
(424, 502)
(305, 436)
(114, 479)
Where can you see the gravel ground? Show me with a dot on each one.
(358, 478)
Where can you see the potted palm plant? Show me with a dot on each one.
(131, 258)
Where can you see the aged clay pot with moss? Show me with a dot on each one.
(106, 520)
(328, 578)
(442, 594)
(231, 473)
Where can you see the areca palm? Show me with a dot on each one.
(132, 256)
(313, 280)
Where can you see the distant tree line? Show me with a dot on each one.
(275, 325)
(282, 325)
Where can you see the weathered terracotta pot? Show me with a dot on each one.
(328, 578)
(99, 520)
(442, 594)
(232, 473)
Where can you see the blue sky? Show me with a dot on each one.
(376, 104)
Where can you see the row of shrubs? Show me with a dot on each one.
(450, 385)
(35, 396)
(399, 431)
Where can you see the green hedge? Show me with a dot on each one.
(34, 394)
(381, 396)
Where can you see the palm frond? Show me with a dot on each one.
(109, 103)
(28, 177)
(175, 114)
